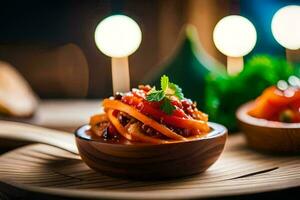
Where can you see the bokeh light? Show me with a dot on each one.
(286, 27)
(234, 36)
(118, 36)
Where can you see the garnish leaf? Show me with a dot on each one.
(164, 82)
(165, 94)
(177, 90)
(167, 106)
(155, 95)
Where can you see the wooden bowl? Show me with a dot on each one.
(152, 161)
(269, 136)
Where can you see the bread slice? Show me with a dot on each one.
(16, 97)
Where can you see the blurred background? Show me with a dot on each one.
(51, 43)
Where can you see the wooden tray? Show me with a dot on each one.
(46, 169)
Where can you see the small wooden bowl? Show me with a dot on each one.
(152, 161)
(269, 136)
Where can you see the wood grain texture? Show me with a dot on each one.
(49, 170)
(152, 161)
(269, 136)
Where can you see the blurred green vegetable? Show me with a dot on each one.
(224, 93)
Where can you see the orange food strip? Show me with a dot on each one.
(137, 135)
(190, 124)
(132, 133)
(118, 125)
(117, 105)
(201, 115)
(98, 118)
(95, 121)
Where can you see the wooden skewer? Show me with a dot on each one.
(292, 55)
(235, 65)
(120, 74)
(29, 133)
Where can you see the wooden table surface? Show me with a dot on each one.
(44, 169)
(268, 176)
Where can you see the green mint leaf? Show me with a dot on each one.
(168, 90)
(177, 90)
(155, 95)
(164, 82)
(167, 106)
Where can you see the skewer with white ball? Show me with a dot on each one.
(118, 36)
(234, 36)
(286, 29)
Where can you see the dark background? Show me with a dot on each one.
(34, 38)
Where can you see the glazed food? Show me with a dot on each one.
(150, 115)
(281, 103)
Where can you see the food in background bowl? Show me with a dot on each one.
(272, 122)
(276, 104)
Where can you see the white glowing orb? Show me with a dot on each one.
(118, 36)
(286, 27)
(234, 36)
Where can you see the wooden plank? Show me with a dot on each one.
(47, 169)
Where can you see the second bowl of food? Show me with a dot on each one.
(271, 123)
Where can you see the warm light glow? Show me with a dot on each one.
(118, 36)
(234, 36)
(286, 27)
